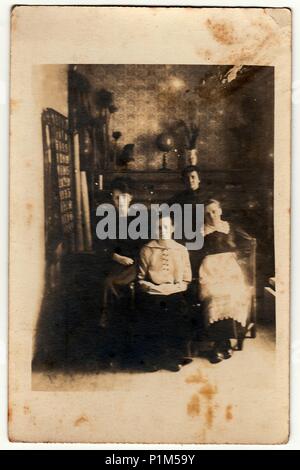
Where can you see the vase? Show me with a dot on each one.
(191, 157)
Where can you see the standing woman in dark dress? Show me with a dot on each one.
(193, 194)
(223, 291)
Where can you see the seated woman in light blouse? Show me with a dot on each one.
(164, 273)
(223, 290)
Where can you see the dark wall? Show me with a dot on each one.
(235, 117)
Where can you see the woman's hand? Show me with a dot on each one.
(146, 286)
(124, 260)
(163, 289)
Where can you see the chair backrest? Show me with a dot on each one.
(246, 246)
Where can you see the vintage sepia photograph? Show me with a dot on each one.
(153, 280)
(189, 135)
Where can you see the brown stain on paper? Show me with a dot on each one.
(223, 32)
(264, 37)
(29, 210)
(209, 416)
(260, 36)
(13, 104)
(9, 414)
(193, 406)
(208, 391)
(196, 378)
(26, 410)
(80, 421)
(228, 413)
(207, 54)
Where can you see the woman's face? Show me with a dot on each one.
(121, 201)
(213, 213)
(166, 228)
(192, 180)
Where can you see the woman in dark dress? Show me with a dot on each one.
(121, 255)
(223, 290)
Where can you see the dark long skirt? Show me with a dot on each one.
(224, 330)
(162, 328)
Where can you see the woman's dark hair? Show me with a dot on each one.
(125, 185)
(188, 169)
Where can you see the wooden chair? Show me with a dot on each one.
(247, 260)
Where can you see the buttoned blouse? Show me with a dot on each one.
(165, 265)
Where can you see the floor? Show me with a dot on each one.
(233, 401)
(200, 403)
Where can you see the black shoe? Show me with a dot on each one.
(226, 349)
(171, 366)
(185, 361)
(228, 353)
(150, 368)
(216, 357)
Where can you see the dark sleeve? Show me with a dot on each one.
(105, 249)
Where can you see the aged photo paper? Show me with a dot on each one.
(149, 225)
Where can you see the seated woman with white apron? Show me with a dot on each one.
(223, 291)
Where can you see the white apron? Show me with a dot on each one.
(223, 288)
